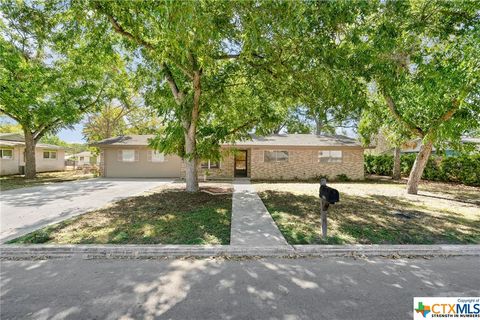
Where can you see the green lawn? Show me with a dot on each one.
(376, 213)
(18, 181)
(170, 216)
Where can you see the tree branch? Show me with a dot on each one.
(236, 55)
(10, 115)
(246, 124)
(120, 30)
(227, 56)
(177, 94)
(185, 71)
(396, 115)
(445, 117)
(40, 132)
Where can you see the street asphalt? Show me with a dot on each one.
(268, 288)
(27, 209)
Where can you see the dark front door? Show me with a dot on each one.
(241, 163)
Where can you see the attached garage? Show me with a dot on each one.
(130, 157)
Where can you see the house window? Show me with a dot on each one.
(128, 155)
(330, 156)
(49, 154)
(157, 156)
(275, 156)
(6, 154)
(82, 158)
(210, 164)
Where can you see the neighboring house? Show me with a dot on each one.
(81, 159)
(413, 146)
(12, 155)
(276, 157)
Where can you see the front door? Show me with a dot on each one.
(241, 163)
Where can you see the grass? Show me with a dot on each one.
(376, 213)
(170, 216)
(18, 181)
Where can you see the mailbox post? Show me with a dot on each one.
(327, 196)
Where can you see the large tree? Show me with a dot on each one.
(424, 60)
(107, 122)
(326, 75)
(116, 118)
(201, 64)
(49, 76)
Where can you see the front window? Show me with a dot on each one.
(330, 156)
(82, 158)
(210, 164)
(275, 156)
(157, 156)
(128, 155)
(49, 154)
(6, 154)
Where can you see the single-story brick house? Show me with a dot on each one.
(275, 157)
(48, 157)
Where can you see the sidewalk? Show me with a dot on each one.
(252, 225)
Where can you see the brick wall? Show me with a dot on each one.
(303, 164)
(225, 170)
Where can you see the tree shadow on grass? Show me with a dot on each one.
(367, 220)
(459, 193)
(167, 217)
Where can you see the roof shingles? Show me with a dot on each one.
(16, 139)
(300, 140)
(130, 140)
(292, 140)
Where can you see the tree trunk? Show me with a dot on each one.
(191, 138)
(318, 125)
(418, 167)
(396, 164)
(191, 163)
(30, 165)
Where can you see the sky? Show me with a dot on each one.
(72, 135)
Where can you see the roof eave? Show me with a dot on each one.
(293, 146)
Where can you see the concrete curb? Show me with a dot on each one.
(29, 252)
(388, 250)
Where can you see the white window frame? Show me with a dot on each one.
(50, 152)
(209, 165)
(325, 156)
(157, 156)
(3, 157)
(128, 160)
(276, 157)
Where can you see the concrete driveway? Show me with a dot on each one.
(27, 209)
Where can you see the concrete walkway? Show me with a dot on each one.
(252, 225)
(27, 209)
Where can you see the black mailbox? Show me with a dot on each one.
(329, 194)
